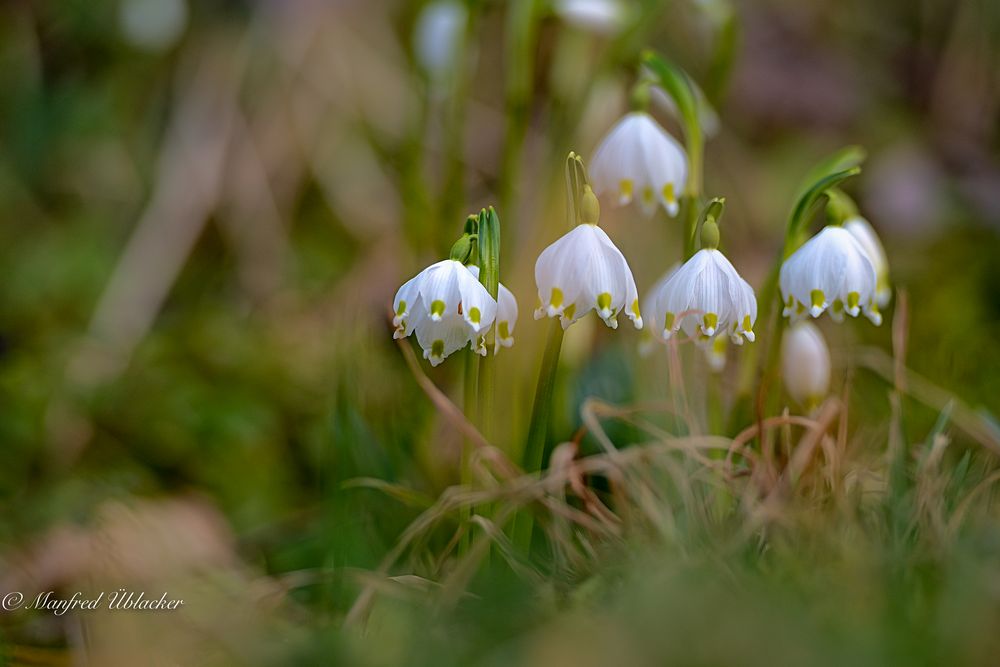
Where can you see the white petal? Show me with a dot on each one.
(865, 235)
(506, 319)
(478, 307)
(439, 288)
(441, 338)
(406, 297)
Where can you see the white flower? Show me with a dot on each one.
(830, 271)
(437, 36)
(706, 297)
(601, 16)
(805, 363)
(648, 338)
(506, 318)
(863, 232)
(584, 271)
(447, 307)
(638, 157)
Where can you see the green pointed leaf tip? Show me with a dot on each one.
(489, 251)
(806, 203)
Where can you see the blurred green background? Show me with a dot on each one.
(208, 206)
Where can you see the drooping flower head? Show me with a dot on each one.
(706, 296)
(805, 363)
(638, 158)
(583, 271)
(831, 271)
(448, 308)
(864, 234)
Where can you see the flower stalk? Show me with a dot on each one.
(673, 80)
(488, 236)
(824, 177)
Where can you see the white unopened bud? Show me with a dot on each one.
(805, 364)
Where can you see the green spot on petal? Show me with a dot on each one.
(817, 297)
(668, 323)
(604, 301)
(711, 321)
(853, 299)
(625, 187)
(437, 308)
(746, 323)
(402, 307)
(668, 193)
(504, 330)
(437, 348)
(557, 297)
(474, 315)
(635, 308)
(569, 311)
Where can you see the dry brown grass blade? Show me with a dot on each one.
(454, 416)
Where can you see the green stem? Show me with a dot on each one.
(470, 387)
(489, 276)
(534, 449)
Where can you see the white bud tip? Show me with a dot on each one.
(815, 311)
(637, 322)
(750, 336)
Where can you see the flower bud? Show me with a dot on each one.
(710, 235)
(805, 364)
(590, 208)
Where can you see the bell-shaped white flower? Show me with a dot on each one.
(638, 158)
(805, 363)
(831, 271)
(706, 297)
(506, 318)
(865, 234)
(584, 271)
(447, 307)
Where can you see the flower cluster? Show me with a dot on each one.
(841, 270)
(449, 309)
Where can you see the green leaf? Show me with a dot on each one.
(807, 202)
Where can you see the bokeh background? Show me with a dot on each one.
(208, 206)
